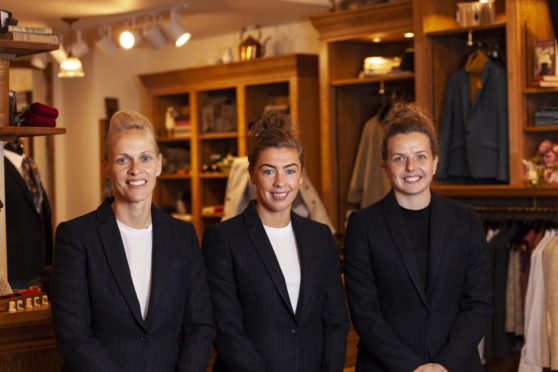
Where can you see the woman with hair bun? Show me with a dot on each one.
(279, 304)
(416, 264)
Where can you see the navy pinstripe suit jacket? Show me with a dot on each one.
(257, 328)
(401, 325)
(95, 309)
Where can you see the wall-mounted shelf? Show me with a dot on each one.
(543, 128)
(11, 133)
(209, 136)
(10, 49)
(214, 175)
(174, 177)
(373, 79)
(465, 30)
(539, 90)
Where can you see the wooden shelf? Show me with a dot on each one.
(464, 30)
(373, 79)
(38, 316)
(10, 49)
(174, 177)
(540, 90)
(174, 139)
(208, 175)
(491, 191)
(8, 133)
(210, 136)
(542, 128)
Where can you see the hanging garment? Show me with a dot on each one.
(474, 136)
(550, 315)
(368, 181)
(240, 191)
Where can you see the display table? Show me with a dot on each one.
(27, 342)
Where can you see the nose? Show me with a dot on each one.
(410, 164)
(133, 169)
(279, 180)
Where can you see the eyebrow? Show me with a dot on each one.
(274, 167)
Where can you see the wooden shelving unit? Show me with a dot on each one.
(11, 133)
(246, 87)
(373, 80)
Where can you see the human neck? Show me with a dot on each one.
(414, 202)
(274, 219)
(135, 215)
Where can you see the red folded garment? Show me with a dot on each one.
(32, 120)
(44, 110)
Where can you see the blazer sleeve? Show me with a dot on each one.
(71, 311)
(375, 333)
(234, 347)
(334, 314)
(197, 324)
(476, 308)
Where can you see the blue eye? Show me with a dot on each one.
(290, 171)
(146, 158)
(122, 161)
(421, 157)
(399, 159)
(268, 172)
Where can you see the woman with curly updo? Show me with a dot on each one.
(275, 281)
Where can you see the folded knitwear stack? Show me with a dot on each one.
(39, 115)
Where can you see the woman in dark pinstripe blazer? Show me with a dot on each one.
(129, 288)
(275, 282)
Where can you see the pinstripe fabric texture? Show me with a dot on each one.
(257, 329)
(95, 309)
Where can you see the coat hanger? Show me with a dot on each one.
(14, 146)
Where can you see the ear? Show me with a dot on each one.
(159, 164)
(436, 158)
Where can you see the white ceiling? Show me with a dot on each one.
(203, 18)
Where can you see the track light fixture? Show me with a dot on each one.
(105, 43)
(176, 31)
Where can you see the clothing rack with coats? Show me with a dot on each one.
(523, 251)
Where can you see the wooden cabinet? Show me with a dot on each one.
(347, 101)
(440, 48)
(219, 103)
(27, 337)
(443, 49)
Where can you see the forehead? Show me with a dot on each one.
(278, 156)
(134, 140)
(413, 141)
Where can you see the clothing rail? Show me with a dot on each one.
(502, 213)
(508, 209)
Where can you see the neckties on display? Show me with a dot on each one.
(30, 173)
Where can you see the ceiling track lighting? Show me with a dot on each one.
(176, 31)
(71, 66)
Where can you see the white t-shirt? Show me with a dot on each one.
(138, 245)
(284, 245)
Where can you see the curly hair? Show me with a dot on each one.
(273, 129)
(405, 118)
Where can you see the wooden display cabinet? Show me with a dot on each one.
(442, 49)
(348, 101)
(27, 342)
(222, 102)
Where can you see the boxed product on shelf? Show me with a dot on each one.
(546, 58)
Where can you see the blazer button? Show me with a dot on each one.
(294, 330)
(424, 311)
(144, 338)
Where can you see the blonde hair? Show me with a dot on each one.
(125, 120)
(273, 129)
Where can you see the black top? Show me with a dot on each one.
(417, 223)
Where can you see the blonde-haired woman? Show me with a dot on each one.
(129, 284)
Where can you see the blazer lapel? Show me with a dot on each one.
(396, 226)
(436, 243)
(160, 259)
(265, 251)
(303, 245)
(116, 257)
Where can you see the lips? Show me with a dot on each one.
(412, 179)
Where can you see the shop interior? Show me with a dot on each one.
(313, 59)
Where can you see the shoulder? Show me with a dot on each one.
(454, 208)
(82, 223)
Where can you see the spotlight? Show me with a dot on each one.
(105, 43)
(39, 61)
(59, 55)
(177, 32)
(129, 38)
(155, 37)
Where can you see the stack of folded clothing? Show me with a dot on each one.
(38, 115)
(546, 115)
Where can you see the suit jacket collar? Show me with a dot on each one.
(116, 257)
(396, 225)
(265, 250)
